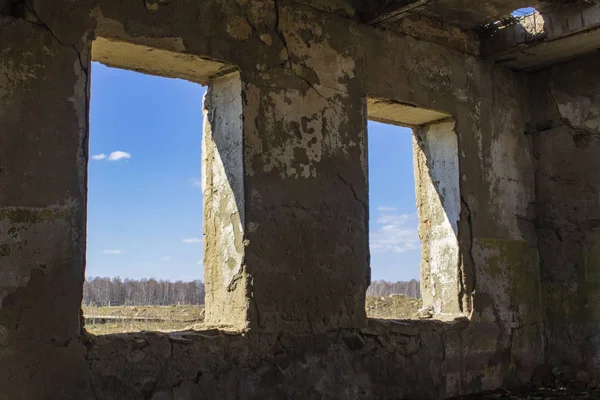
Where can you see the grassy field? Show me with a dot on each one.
(392, 307)
(179, 317)
(173, 318)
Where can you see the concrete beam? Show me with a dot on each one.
(467, 14)
(396, 113)
(545, 38)
(170, 62)
(394, 11)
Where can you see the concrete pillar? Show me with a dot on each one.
(43, 157)
(435, 149)
(224, 203)
(286, 204)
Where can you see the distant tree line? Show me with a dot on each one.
(117, 292)
(411, 288)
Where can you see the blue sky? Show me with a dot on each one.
(145, 202)
(523, 11)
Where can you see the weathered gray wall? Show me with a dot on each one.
(43, 156)
(499, 272)
(306, 183)
(305, 76)
(384, 360)
(565, 131)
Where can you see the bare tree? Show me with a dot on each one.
(106, 291)
(382, 288)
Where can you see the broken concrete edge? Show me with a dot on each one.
(555, 34)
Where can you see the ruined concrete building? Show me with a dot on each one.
(506, 120)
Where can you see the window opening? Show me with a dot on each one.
(144, 235)
(393, 227)
(417, 175)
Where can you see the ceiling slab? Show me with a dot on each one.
(541, 39)
(466, 14)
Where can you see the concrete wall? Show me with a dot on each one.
(305, 74)
(565, 127)
(43, 108)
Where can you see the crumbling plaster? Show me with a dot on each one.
(305, 75)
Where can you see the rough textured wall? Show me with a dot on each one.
(498, 193)
(304, 149)
(305, 76)
(437, 182)
(565, 128)
(385, 360)
(497, 189)
(224, 206)
(306, 184)
(43, 147)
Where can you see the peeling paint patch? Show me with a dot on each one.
(239, 28)
(302, 139)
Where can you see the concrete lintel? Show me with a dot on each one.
(158, 61)
(396, 113)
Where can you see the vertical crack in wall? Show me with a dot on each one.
(355, 194)
(39, 21)
(289, 67)
(280, 34)
(473, 274)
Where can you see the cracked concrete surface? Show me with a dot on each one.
(565, 137)
(511, 195)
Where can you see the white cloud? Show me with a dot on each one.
(112, 252)
(101, 156)
(192, 240)
(200, 262)
(385, 209)
(167, 258)
(392, 232)
(118, 155)
(196, 182)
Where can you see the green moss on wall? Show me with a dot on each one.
(576, 299)
(32, 216)
(592, 282)
(512, 268)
